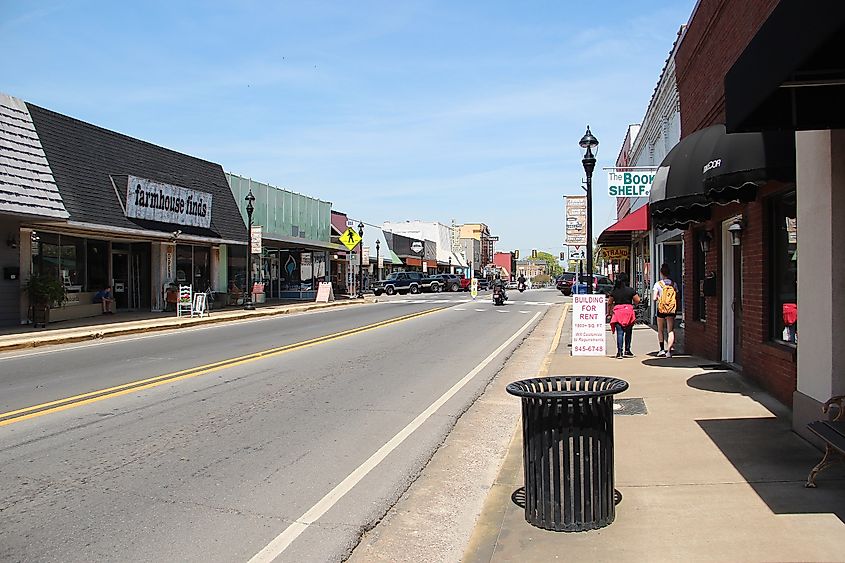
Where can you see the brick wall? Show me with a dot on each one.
(772, 365)
(717, 34)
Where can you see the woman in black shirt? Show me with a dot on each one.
(621, 306)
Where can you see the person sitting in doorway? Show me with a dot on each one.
(235, 293)
(104, 297)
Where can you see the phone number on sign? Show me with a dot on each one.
(588, 349)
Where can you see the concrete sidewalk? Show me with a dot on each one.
(712, 472)
(121, 324)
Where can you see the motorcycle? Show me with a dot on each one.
(499, 295)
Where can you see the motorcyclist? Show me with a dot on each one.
(500, 285)
(521, 281)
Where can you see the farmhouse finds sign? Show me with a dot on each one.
(629, 183)
(154, 201)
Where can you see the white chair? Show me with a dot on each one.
(185, 304)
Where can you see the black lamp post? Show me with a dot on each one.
(249, 209)
(450, 264)
(361, 262)
(588, 143)
(378, 269)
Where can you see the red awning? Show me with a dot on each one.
(620, 232)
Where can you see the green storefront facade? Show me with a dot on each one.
(295, 233)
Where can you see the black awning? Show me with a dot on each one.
(740, 162)
(711, 166)
(677, 194)
(791, 75)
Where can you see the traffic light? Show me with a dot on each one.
(563, 255)
(534, 253)
(516, 254)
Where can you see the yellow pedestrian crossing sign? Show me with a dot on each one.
(350, 238)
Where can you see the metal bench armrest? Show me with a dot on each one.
(839, 401)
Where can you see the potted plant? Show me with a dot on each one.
(43, 291)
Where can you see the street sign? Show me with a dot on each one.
(425, 266)
(417, 246)
(366, 250)
(577, 252)
(588, 336)
(350, 238)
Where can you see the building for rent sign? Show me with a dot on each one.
(588, 333)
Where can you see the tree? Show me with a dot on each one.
(555, 269)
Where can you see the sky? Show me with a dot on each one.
(468, 111)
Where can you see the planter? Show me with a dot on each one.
(39, 315)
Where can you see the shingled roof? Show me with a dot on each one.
(90, 166)
(27, 186)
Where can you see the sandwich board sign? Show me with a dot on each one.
(588, 326)
(325, 293)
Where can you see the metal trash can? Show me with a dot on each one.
(567, 432)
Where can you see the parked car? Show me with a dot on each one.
(448, 282)
(565, 281)
(483, 284)
(511, 285)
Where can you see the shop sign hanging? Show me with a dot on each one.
(629, 182)
(576, 220)
(166, 203)
(615, 252)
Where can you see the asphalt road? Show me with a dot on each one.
(291, 434)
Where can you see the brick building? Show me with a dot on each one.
(757, 158)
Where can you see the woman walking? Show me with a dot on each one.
(620, 306)
(664, 296)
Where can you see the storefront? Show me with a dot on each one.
(142, 220)
(789, 77)
(296, 247)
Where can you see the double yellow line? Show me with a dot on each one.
(102, 394)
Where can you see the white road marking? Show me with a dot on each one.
(281, 542)
(459, 309)
(502, 311)
(524, 312)
(482, 310)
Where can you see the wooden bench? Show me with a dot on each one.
(833, 434)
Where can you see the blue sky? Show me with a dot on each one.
(427, 110)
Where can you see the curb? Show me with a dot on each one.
(97, 332)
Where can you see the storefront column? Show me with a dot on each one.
(820, 180)
(163, 263)
(214, 268)
(25, 270)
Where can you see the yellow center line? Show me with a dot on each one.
(148, 383)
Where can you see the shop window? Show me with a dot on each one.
(72, 262)
(97, 265)
(202, 268)
(699, 265)
(46, 254)
(783, 262)
(184, 264)
(237, 265)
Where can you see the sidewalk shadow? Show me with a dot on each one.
(775, 462)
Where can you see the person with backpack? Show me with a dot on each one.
(665, 297)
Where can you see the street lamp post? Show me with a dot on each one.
(450, 264)
(361, 262)
(588, 143)
(249, 209)
(378, 268)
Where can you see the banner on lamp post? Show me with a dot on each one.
(576, 220)
(255, 239)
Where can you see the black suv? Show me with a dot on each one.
(448, 282)
(406, 282)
